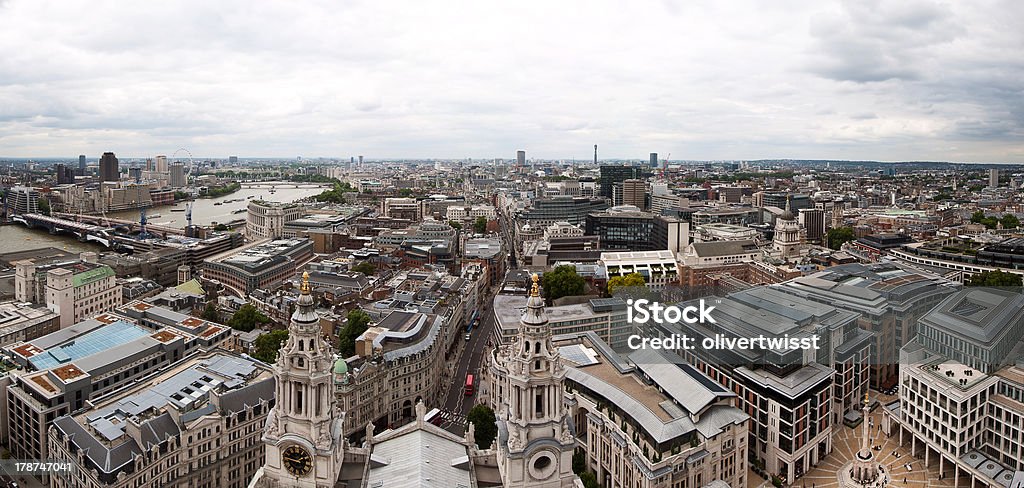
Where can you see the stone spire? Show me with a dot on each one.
(305, 309)
(788, 214)
(534, 314)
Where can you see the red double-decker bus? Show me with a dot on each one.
(469, 384)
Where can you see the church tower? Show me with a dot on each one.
(787, 234)
(303, 434)
(530, 399)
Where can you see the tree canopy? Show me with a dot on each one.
(210, 312)
(247, 318)
(484, 427)
(455, 224)
(562, 282)
(480, 225)
(630, 280)
(268, 345)
(367, 268)
(838, 236)
(1009, 221)
(336, 194)
(357, 322)
(995, 278)
(44, 206)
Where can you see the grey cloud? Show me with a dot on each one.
(418, 79)
(879, 41)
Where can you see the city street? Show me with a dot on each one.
(457, 404)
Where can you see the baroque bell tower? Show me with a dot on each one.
(787, 234)
(537, 451)
(303, 434)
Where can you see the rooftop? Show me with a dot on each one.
(78, 341)
(101, 431)
(953, 373)
(419, 457)
(265, 253)
(509, 308)
(482, 248)
(638, 257)
(16, 316)
(981, 315)
(724, 248)
(665, 397)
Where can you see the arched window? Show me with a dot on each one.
(536, 348)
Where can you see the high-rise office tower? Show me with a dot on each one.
(161, 164)
(109, 170)
(520, 158)
(993, 178)
(654, 160)
(612, 174)
(81, 164)
(595, 153)
(812, 221)
(149, 164)
(360, 161)
(177, 175)
(233, 159)
(64, 173)
(634, 192)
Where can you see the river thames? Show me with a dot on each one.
(205, 211)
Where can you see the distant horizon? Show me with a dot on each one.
(366, 159)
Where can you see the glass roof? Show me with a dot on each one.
(96, 341)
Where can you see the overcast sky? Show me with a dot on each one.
(900, 80)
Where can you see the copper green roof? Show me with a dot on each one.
(191, 286)
(340, 366)
(95, 274)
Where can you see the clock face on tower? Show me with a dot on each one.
(297, 460)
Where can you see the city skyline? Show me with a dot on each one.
(887, 81)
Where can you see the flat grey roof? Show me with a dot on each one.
(978, 314)
(792, 385)
(678, 380)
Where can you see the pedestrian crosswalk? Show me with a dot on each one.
(445, 418)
